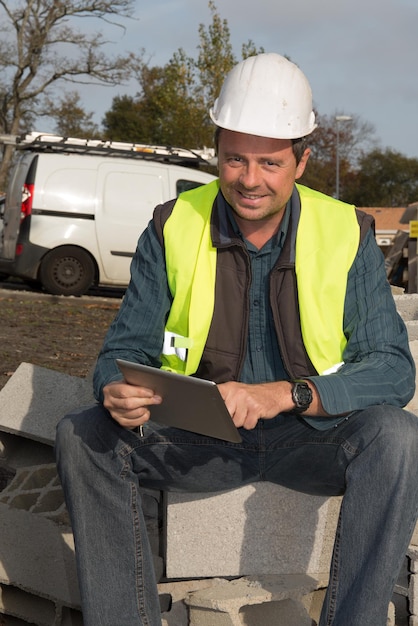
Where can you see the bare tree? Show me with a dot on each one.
(41, 45)
(356, 138)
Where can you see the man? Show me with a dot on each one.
(282, 295)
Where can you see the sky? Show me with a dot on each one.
(360, 56)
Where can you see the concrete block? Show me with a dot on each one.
(36, 544)
(232, 603)
(413, 594)
(413, 558)
(177, 616)
(70, 617)
(412, 328)
(289, 612)
(30, 608)
(37, 490)
(313, 603)
(407, 306)
(44, 397)
(16, 451)
(181, 589)
(36, 557)
(259, 529)
(391, 615)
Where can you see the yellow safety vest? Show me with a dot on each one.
(327, 241)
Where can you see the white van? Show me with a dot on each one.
(75, 208)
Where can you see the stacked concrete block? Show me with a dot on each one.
(36, 543)
(293, 600)
(253, 601)
(412, 585)
(37, 567)
(253, 530)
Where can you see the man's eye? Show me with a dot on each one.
(234, 160)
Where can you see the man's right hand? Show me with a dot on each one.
(128, 404)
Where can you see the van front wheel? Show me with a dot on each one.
(67, 271)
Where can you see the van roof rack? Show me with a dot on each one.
(48, 142)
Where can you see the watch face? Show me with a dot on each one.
(302, 396)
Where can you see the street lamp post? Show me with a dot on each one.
(338, 119)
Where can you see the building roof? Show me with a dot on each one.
(388, 219)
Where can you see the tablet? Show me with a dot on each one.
(189, 403)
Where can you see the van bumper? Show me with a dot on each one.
(26, 264)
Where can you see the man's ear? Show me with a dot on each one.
(300, 168)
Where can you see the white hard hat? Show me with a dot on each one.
(265, 95)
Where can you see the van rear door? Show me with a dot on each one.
(18, 204)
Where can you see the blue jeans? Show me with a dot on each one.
(370, 457)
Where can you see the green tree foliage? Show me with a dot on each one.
(215, 57)
(167, 111)
(384, 178)
(122, 118)
(171, 107)
(71, 118)
(368, 176)
(249, 49)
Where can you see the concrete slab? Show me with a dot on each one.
(36, 557)
(259, 529)
(16, 451)
(30, 608)
(44, 396)
(227, 594)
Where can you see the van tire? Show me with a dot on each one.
(67, 271)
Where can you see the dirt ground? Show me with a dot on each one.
(63, 334)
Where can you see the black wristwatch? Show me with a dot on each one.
(301, 395)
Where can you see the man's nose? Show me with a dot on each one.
(250, 176)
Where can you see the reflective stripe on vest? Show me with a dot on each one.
(326, 244)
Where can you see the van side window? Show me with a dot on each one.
(186, 185)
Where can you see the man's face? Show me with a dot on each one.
(257, 174)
